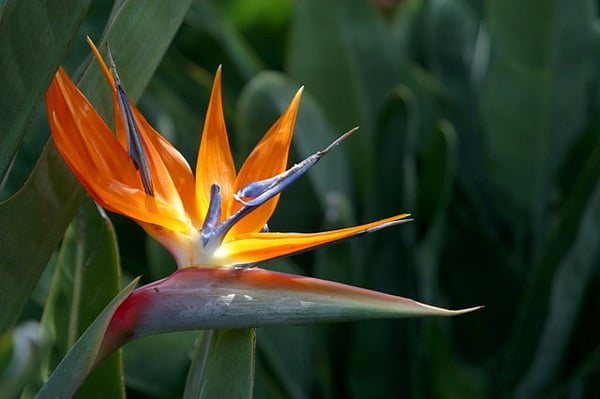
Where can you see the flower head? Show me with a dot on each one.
(218, 217)
(213, 222)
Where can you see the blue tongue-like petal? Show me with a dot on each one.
(210, 226)
(255, 194)
(137, 153)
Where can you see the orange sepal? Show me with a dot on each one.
(269, 158)
(95, 156)
(215, 162)
(171, 172)
(257, 247)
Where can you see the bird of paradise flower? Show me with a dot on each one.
(214, 224)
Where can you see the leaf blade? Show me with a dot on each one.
(222, 365)
(41, 227)
(48, 29)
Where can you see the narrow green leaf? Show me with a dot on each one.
(556, 249)
(222, 365)
(450, 34)
(339, 52)
(85, 280)
(79, 361)
(435, 192)
(33, 230)
(288, 355)
(400, 125)
(34, 38)
(137, 48)
(343, 54)
(39, 213)
(535, 93)
(204, 17)
(566, 298)
(157, 365)
(445, 375)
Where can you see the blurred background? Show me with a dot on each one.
(480, 118)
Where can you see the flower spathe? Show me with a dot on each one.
(230, 298)
(215, 219)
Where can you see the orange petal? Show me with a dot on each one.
(267, 159)
(170, 171)
(179, 170)
(82, 137)
(93, 153)
(108, 188)
(117, 114)
(258, 247)
(215, 162)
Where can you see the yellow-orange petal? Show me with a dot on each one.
(215, 162)
(117, 113)
(258, 247)
(83, 139)
(171, 174)
(267, 159)
(179, 170)
(117, 190)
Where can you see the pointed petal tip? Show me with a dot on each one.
(458, 312)
(100, 61)
(260, 247)
(258, 298)
(393, 221)
(298, 95)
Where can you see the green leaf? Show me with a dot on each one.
(535, 99)
(343, 54)
(204, 17)
(85, 280)
(286, 355)
(35, 229)
(565, 298)
(222, 365)
(164, 378)
(450, 34)
(81, 358)
(339, 52)
(561, 247)
(34, 38)
(436, 183)
(400, 126)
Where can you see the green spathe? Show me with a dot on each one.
(197, 298)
